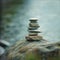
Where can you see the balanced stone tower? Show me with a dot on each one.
(33, 31)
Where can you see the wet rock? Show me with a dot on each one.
(2, 50)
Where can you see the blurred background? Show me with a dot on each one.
(16, 15)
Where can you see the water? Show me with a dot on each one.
(48, 13)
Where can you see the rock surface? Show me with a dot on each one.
(25, 50)
(22, 48)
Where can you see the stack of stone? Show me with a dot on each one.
(33, 31)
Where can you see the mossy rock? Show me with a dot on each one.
(32, 56)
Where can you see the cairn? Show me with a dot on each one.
(33, 31)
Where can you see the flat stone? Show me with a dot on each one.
(33, 19)
(32, 28)
(33, 34)
(34, 25)
(34, 38)
(34, 31)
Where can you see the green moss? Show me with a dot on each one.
(54, 58)
(32, 56)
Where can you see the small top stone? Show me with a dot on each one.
(33, 19)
